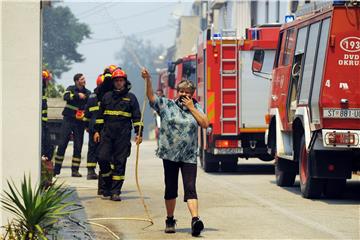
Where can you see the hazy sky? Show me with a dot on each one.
(109, 21)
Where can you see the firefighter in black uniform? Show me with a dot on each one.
(91, 111)
(47, 148)
(104, 85)
(119, 112)
(75, 97)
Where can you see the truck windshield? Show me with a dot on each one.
(189, 70)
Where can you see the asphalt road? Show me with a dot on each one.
(246, 204)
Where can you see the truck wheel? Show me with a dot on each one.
(229, 164)
(283, 178)
(310, 187)
(334, 188)
(208, 162)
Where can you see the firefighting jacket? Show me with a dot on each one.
(44, 108)
(91, 111)
(73, 101)
(118, 113)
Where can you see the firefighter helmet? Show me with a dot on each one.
(112, 68)
(118, 73)
(99, 80)
(46, 75)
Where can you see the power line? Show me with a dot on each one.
(129, 17)
(90, 10)
(150, 32)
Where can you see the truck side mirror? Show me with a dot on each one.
(258, 61)
(171, 67)
(172, 80)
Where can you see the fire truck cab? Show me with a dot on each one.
(314, 106)
(234, 99)
(183, 68)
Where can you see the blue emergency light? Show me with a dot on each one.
(216, 35)
(289, 18)
(339, 2)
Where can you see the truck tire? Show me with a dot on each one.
(229, 164)
(334, 188)
(283, 178)
(209, 163)
(310, 187)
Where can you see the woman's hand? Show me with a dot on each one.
(145, 74)
(149, 91)
(96, 137)
(188, 102)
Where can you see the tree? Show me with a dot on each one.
(135, 52)
(62, 33)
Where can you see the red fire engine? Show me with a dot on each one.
(234, 99)
(314, 110)
(183, 68)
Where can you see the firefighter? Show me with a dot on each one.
(46, 147)
(104, 87)
(91, 111)
(119, 112)
(75, 97)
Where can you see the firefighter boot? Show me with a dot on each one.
(91, 174)
(75, 174)
(115, 197)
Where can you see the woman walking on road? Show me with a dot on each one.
(180, 119)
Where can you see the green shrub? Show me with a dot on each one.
(35, 210)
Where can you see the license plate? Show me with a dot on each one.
(341, 113)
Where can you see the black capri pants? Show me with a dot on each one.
(188, 173)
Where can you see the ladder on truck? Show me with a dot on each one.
(229, 82)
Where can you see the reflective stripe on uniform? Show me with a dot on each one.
(91, 164)
(44, 111)
(44, 98)
(99, 121)
(138, 124)
(118, 178)
(75, 159)
(92, 109)
(45, 119)
(71, 107)
(126, 99)
(117, 113)
(86, 119)
(112, 166)
(58, 161)
(74, 164)
(106, 174)
(57, 157)
(107, 75)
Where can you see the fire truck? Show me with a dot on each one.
(314, 107)
(183, 68)
(232, 96)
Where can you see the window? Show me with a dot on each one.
(277, 58)
(301, 40)
(189, 70)
(307, 74)
(319, 68)
(289, 46)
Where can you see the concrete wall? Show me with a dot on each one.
(20, 85)
(187, 38)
